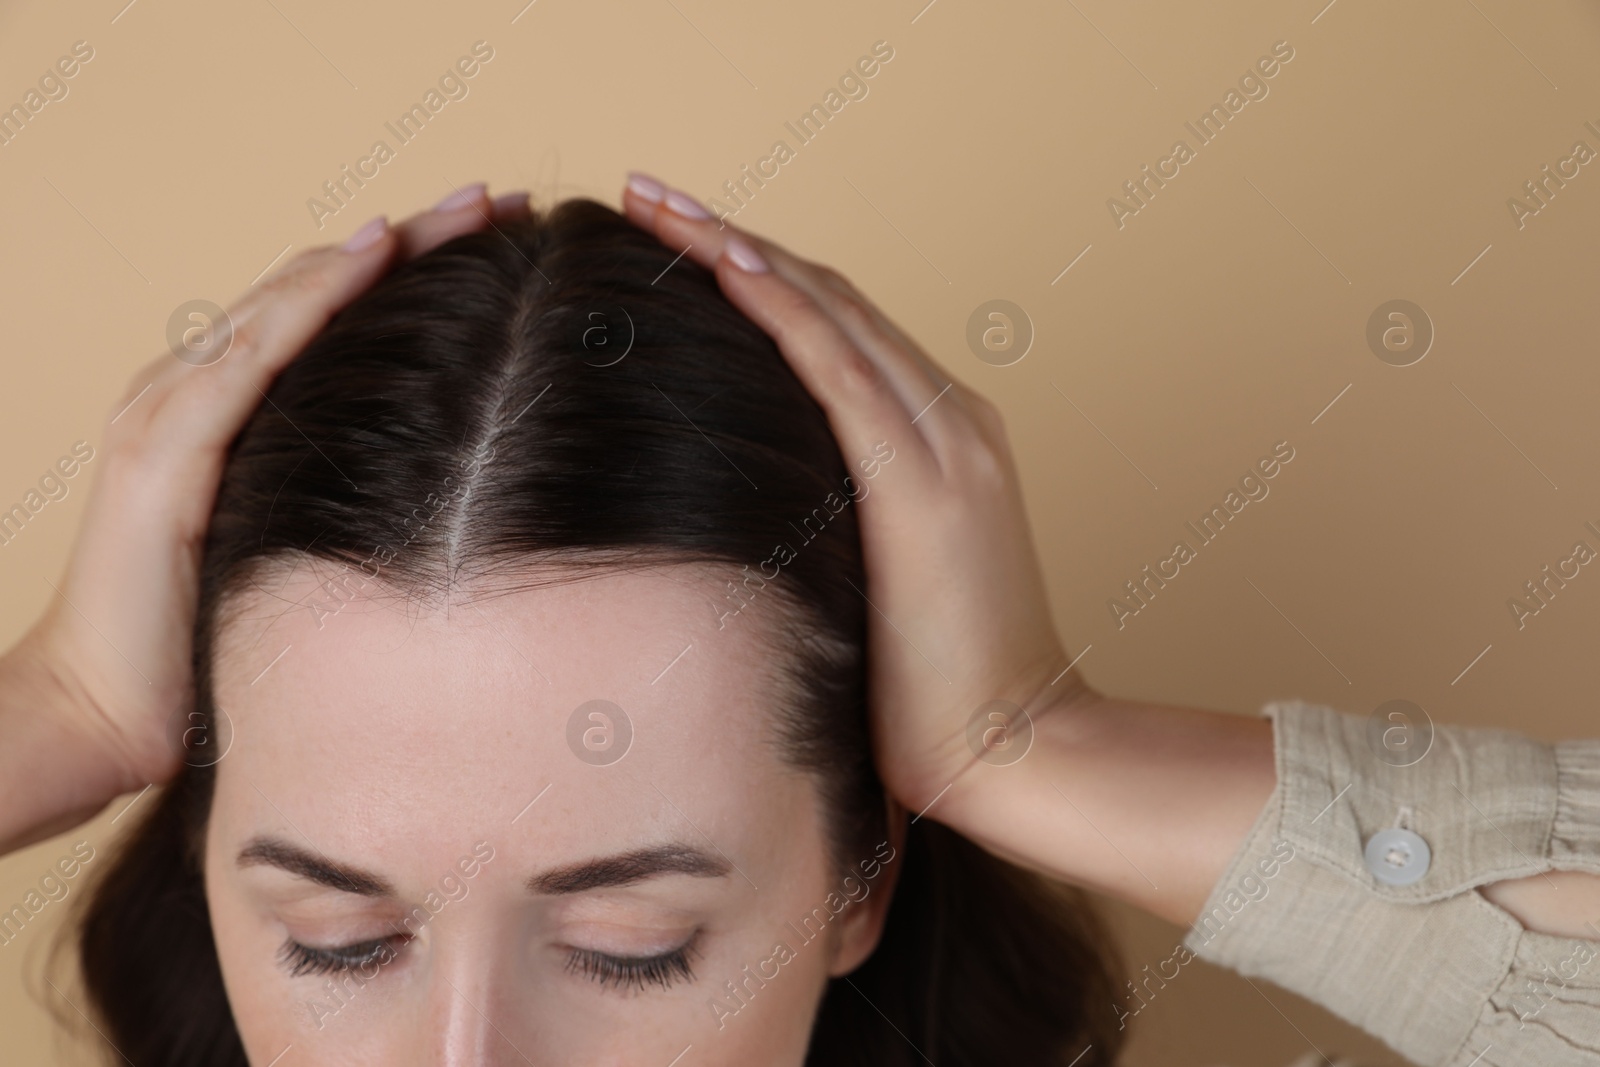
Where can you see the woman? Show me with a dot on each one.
(430, 537)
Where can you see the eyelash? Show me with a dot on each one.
(634, 972)
(622, 972)
(304, 959)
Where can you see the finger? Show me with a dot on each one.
(465, 209)
(961, 408)
(461, 211)
(861, 404)
(509, 206)
(919, 380)
(372, 243)
(640, 196)
(946, 412)
(680, 222)
(885, 326)
(203, 407)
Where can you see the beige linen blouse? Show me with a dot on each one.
(1417, 957)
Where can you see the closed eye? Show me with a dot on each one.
(634, 972)
(307, 959)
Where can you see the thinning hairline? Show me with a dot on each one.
(502, 573)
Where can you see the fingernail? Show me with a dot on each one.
(367, 236)
(511, 201)
(744, 255)
(462, 197)
(686, 206)
(646, 187)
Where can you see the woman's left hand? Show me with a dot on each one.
(1160, 797)
(958, 613)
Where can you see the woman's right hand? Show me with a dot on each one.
(89, 696)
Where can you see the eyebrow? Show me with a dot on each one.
(625, 868)
(629, 867)
(313, 867)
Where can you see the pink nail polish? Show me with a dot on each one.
(645, 187)
(367, 236)
(686, 206)
(511, 201)
(462, 197)
(744, 255)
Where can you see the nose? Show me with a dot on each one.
(466, 1027)
(460, 1026)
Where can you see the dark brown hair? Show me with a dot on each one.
(498, 354)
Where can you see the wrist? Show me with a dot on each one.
(1144, 802)
(1047, 712)
(38, 682)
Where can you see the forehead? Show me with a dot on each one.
(386, 722)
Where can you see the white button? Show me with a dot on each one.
(1397, 857)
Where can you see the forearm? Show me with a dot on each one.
(1148, 803)
(54, 773)
(1143, 802)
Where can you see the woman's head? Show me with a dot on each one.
(530, 616)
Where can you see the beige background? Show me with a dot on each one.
(1223, 318)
